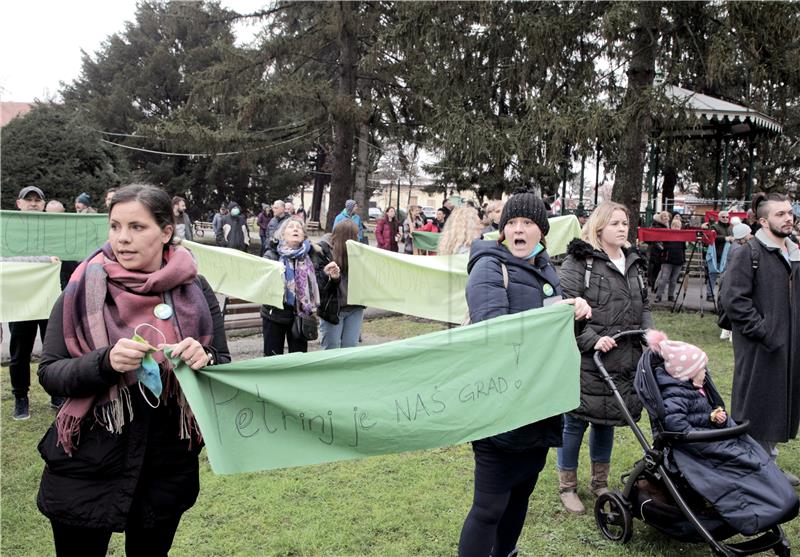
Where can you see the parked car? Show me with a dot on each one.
(375, 213)
(429, 212)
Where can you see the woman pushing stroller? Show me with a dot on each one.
(603, 269)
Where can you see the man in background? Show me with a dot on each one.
(183, 225)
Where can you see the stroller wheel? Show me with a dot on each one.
(613, 517)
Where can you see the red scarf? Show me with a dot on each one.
(104, 302)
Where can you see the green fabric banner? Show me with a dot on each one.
(29, 290)
(68, 236)
(428, 286)
(431, 391)
(562, 230)
(240, 274)
(426, 241)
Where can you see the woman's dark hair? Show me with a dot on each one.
(386, 213)
(345, 230)
(155, 200)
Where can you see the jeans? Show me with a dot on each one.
(345, 333)
(23, 336)
(668, 279)
(712, 282)
(601, 441)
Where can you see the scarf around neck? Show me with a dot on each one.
(104, 302)
(302, 291)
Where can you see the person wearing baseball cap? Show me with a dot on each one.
(23, 333)
(30, 198)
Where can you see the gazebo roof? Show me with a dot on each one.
(717, 113)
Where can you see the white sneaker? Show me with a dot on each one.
(725, 335)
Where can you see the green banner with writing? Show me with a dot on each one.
(68, 236)
(431, 391)
(426, 241)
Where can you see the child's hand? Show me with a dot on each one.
(719, 416)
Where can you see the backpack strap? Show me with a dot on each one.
(587, 274)
(754, 254)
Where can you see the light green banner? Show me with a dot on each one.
(562, 231)
(238, 274)
(429, 286)
(430, 391)
(426, 241)
(68, 236)
(29, 290)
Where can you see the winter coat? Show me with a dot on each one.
(529, 285)
(273, 226)
(263, 220)
(285, 315)
(735, 475)
(408, 229)
(723, 231)
(386, 234)
(619, 303)
(146, 469)
(355, 218)
(233, 232)
(674, 253)
(764, 309)
(187, 226)
(329, 302)
(432, 225)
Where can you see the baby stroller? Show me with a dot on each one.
(659, 495)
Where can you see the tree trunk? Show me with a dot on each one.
(320, 181)
(362, 166)
(633, 144)
(343, 114)
(670, 181)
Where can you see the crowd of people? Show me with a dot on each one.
(140, 298)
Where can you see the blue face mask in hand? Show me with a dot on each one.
(149, 373)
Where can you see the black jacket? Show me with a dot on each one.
(329, 302)
(619, 303)
(528, 286)
(674, 253)
(145, 470)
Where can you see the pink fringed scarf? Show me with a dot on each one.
(104, 302)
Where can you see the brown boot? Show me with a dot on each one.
(568, 491)
(599, 484)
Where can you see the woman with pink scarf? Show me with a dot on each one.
(122, 453)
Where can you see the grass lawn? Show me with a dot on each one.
(397, 505)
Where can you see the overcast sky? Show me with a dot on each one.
(41, 41)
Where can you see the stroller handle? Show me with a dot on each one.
(705, 436)
(598, 360)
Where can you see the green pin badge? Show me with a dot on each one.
(548, 290)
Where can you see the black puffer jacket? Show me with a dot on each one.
(329, 302)
(528, 286)
(95, 487)
(619, 303)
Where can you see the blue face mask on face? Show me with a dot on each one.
(235, 211)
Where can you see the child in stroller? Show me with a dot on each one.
(703, 479)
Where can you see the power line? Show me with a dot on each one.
(208, 154)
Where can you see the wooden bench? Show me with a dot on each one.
(313, 226)
(239, 314)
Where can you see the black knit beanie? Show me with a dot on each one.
(528, 205)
